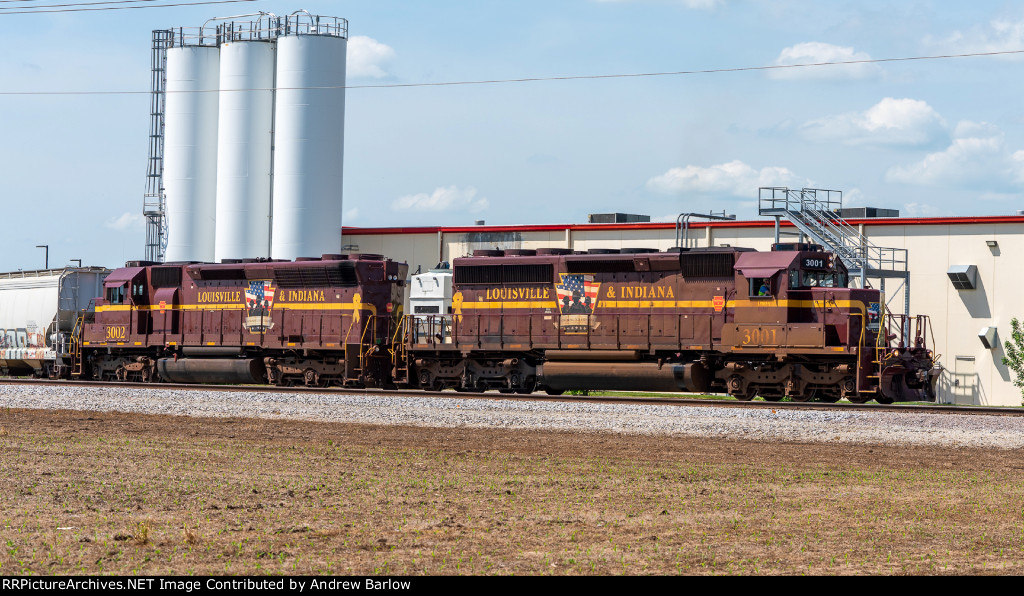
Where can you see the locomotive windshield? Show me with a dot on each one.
(816, 279)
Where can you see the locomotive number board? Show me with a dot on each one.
(814, 263)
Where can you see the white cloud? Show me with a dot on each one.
(977, 159)
(907, 122)
(921, 210)
(442, 199)
(367, 58)
(854, 197)
(735, 179)
(127, 221)
(815, 52)
(997, 36)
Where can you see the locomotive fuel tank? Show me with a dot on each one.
(624, 376)
(212, 370)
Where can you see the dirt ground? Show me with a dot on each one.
(93, 493)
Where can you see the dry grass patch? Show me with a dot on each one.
(162, 495)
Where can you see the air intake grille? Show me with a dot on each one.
(221, 274)
(707, 265)
(341, 276)
(504, 274)
(616, 266)
(166, 277)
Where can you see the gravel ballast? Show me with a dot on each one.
(780, 424)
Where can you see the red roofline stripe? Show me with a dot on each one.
(880, 221)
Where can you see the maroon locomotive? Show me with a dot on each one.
(776, 324)
(312, 321)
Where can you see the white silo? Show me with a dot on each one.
(244, 149)
(309, 122)
(190, 151)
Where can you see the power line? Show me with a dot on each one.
(38, 6)
(541, 79)
(35, 8)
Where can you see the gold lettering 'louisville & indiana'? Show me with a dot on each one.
(646, 292)
(221, 297)
(518, 294)
(305, 296)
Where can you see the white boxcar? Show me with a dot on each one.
(38, 310)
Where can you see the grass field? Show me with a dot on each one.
(93, 493)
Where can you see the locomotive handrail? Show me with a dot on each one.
(860, 348)
(76, 345)
(400, 329)
(363, 351)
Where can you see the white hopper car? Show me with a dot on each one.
(38, 310)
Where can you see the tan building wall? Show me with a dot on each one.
(973, 374)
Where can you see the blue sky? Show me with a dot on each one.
(929, 137)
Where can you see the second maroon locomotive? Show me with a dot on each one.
(776, 324)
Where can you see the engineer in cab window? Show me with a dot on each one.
(764, 290)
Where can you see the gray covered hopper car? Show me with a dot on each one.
(38, 310)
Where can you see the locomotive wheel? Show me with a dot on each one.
(771, 397)
(121, 373)
(805, 397)
(740, 390)
(884, 400)
(747, 394)
(859, 398)
(529, 387)
(828, 398)
(554, 391)
(146, 374)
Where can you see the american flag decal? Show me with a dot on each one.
(577, 294)
(259, 297)
(259, 294)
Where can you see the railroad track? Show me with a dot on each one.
(608, 399)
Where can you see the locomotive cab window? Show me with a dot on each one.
(760, 287)
(115, 295)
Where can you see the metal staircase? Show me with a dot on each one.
(815, 212)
